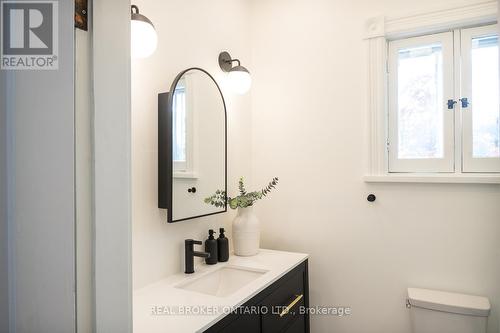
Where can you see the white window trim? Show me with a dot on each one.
(379, 31)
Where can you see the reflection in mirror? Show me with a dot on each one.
(180, 130)
(195, 138)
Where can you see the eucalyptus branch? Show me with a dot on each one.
(218, 199)
(272, 184)
(245, 199)
(241, 187)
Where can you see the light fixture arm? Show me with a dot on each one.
(226, 62)
(234, 60)
(137, 16)
(238, 75)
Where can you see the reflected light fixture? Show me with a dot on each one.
(239, 77)
(143, 38)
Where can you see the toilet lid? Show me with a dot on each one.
(449, 302)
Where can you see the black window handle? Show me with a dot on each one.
(192, 190)
(451, 104)
(465, 102)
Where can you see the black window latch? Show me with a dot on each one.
(451, 104)
(465, 102)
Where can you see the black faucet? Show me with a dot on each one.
(191, 253)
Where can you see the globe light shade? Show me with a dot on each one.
(240, 80)
(144, 39)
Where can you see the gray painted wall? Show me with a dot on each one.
(4, 282)
(41, 209)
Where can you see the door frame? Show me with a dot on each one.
(112, 166)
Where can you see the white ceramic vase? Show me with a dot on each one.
(246, 233)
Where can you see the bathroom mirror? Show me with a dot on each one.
(192, 146)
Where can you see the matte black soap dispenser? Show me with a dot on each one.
(223, 246)
(211, 248)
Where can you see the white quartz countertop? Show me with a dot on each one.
(162, 307)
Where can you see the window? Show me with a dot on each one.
(182, 129)
(179, 128)
(443, 104)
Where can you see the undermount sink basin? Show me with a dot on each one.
(223, 281)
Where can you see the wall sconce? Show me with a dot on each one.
(239, 76)
(143, 37)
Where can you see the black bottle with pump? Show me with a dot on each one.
(211, 248)
(223, 246)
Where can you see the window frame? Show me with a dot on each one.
(472, 164)
(431, 165)
(379, 31)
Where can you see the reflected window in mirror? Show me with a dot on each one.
(179, 137)
(183, 118)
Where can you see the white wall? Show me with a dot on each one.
(309, 111)
(191, 33)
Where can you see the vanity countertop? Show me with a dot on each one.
(163, 307)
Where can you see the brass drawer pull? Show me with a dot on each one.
(290, 306)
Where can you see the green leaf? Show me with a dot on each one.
(233, 203)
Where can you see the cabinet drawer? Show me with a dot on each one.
(243, 324)
(297, 326)
(291, 296)
(274, 298)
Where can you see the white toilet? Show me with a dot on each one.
(433, 311)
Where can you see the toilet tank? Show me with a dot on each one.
(433, 311)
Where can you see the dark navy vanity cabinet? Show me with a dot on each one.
(278, 308)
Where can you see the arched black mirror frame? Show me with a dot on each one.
(165, 149)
